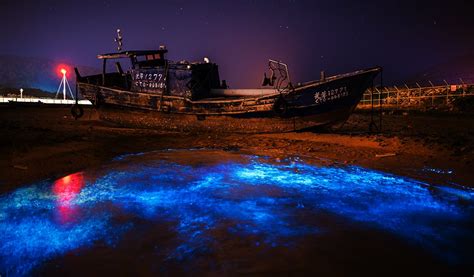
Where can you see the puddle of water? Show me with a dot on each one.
(195, 193)
(438, 170)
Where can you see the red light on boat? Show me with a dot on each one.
(63, 71)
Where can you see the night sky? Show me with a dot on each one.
(405, 37)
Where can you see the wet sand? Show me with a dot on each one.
(39, 144)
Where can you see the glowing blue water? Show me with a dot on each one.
(253, 197)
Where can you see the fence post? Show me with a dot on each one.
(447, 91)
(463, 85)
(380, 96)
(432, 93)
(397, 96)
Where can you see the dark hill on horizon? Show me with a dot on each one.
(26, 72)
(27, 92)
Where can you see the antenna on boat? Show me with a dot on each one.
(118, 40)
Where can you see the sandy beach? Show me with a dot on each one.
(89, 197)
(40, 143)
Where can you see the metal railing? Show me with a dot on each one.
(415, 97)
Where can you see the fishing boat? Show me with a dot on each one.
(185, 96)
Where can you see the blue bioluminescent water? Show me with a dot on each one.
(247, 196)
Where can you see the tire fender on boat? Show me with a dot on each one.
(77, 111)
(280, 106)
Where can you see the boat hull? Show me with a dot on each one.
(227, 124)
(322, 103)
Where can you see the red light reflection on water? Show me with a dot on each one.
(66, 189)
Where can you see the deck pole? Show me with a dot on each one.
(380, 107)
(104, 65)
(372, 122)
(463, 85)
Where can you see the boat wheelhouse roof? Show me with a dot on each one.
(132, 54)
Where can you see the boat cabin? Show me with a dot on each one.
(152, 73)
(138, 59)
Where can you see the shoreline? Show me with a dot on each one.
(47, 143)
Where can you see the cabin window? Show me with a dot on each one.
(153, 57)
